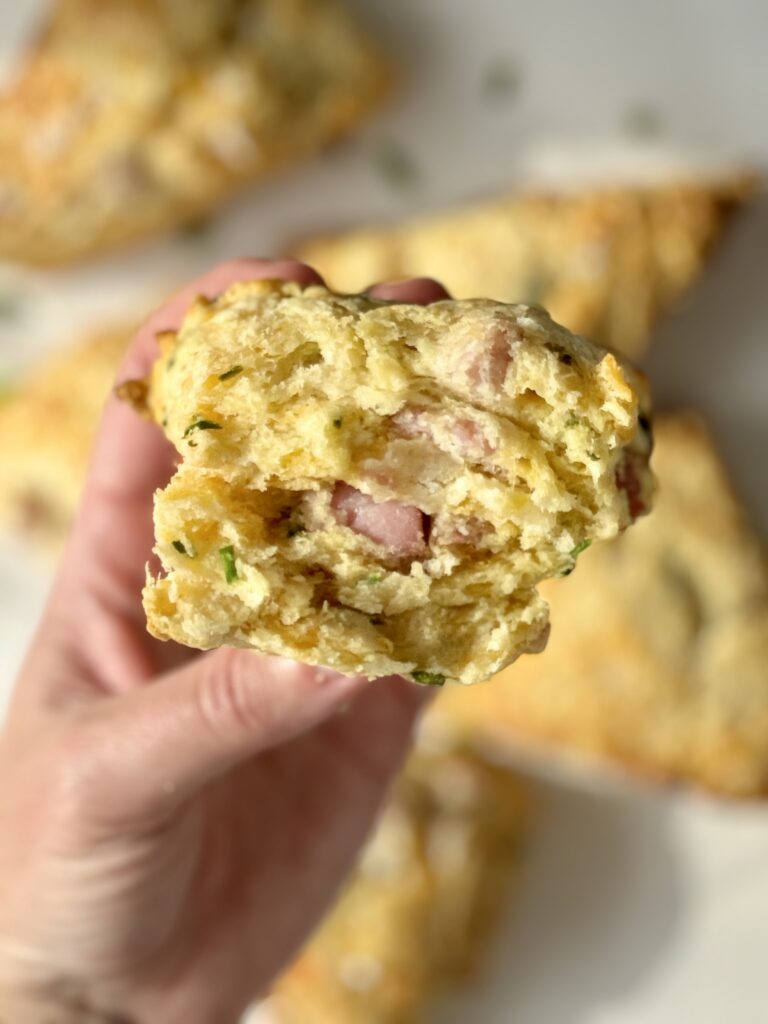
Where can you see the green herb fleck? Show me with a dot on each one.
(593, 456)
(180, 547)
(201, 425)
(502, 79)
(228, 558)
(580, 547)
(196, 229)
(296, 528)
(338, 422)
(573, 420)
(643, 121)
(10, 305)
(428, 678)
(396, 166)
(373, 579)
(232, 372)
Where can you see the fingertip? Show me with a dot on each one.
(421, 290)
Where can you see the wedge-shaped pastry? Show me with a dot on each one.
(414, 919)
(605, 263)
(659, 653)
(379, 487)
(48, 421)
(133, 116)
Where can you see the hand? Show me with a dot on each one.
(173, 825)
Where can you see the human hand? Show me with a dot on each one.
(172, 825)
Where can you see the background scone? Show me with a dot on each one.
(605, 263)
(48, 420)
(659, 652)
(379, 487)
(131, 117)
(415, 916)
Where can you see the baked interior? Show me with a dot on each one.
(605, 262)
(659, 652)
(130, 117)
(379, 486)
(415, 917)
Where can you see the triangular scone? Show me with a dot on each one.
(49, 420)
(605, 263)
(379, 486)
(414, 919)
(659, 650)
(128, 118)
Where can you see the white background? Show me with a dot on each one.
(635, 906)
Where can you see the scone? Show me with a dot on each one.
(129, 117)
(378, 486)
(605, 263)
(49, 420)
(415, 917)
(659, 652)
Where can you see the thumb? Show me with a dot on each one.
(168, 739)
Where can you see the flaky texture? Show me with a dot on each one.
(379, 487)
(659, 652)
(129, 117)
(49, 420)
(414, 918)
(605, 263)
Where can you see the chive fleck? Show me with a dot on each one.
(228, 558)
(643, 121)
(428, 678)
(579, 548)
(10, 305)
(180, 547)
(573, 420)
(296, 528)
(396, 166)
(338, 422)
(373, 579)
(502, 79)
(201, 425)
(231, 372)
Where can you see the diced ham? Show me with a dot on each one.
(398, 527)
(485, 361)
(412, 421)
(472, 438)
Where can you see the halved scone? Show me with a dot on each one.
(379, 486)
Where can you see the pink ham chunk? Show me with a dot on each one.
(411, 422)
(485, 362)
(398, 527)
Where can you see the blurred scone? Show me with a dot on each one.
(414, 918)
(659, 651)
(49, 420)
(605, 263)
(380, 486)
(133, 116)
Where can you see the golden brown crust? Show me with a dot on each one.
(414, 918)
(49, 420)
(379, 487)
(659, 655)
(129, 118)
(605, 263)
